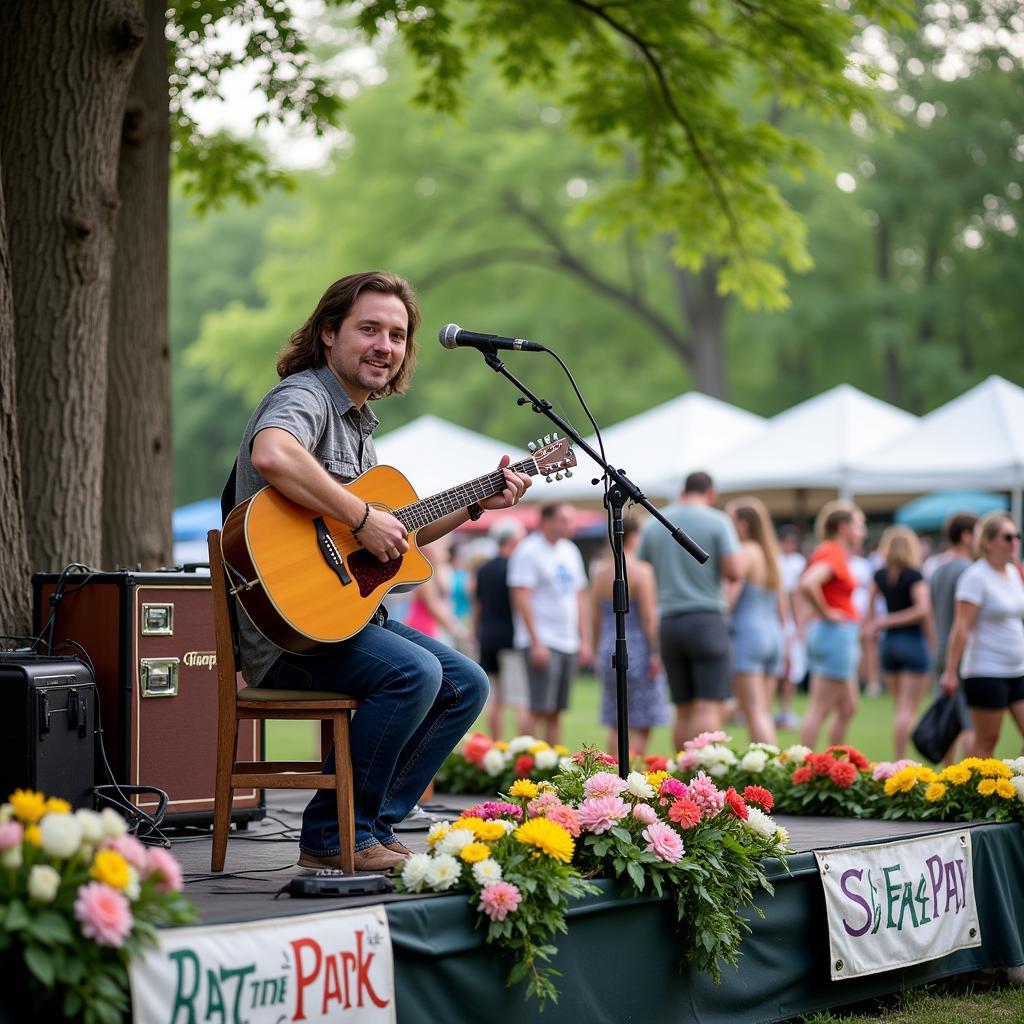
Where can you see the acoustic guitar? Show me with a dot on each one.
(303, 578)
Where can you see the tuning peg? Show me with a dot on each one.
(554, 435)
(568, 473)
(547, 439)
(558, 476)
(547, 479)
(532, 447)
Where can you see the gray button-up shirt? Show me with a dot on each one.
(318, 412)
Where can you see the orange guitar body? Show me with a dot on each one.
(287, 579)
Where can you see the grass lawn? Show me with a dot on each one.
(871, 730)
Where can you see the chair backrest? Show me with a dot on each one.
(227, 659)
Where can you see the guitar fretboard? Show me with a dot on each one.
(429, 510)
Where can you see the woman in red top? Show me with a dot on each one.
(833, 640)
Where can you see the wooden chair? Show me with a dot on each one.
(235, 705)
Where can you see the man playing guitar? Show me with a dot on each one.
(309, 437)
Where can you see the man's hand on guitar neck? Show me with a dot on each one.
(383, 535)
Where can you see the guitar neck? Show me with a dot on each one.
(429, 510)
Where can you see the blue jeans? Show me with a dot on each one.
(418, 697)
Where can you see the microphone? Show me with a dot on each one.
(453, 336)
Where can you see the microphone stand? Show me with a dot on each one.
(621, 490)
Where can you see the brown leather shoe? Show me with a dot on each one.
(399, 848)
(374, 858)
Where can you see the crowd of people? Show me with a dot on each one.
(771, 611)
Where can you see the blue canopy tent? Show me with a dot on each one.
(932, 510)
(193, 522)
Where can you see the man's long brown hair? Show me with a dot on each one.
(305, 349)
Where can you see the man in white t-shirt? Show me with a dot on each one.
(791, 566)
(548, 585)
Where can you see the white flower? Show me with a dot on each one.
(92, 826)
(414, 871)
(1015, 764)
(782, 836)
(60, 835)
(11, 858)
(567, 764)
(437, 832)
(716, 754)
(545, 759)
(487, 871)
(508, 826)
(454, 840)
(717, 769)
(759, 822)
(443, 872)
(6, 813)
(754, 761)
(671, 766)
(493, 762)
(521, 744)
(133, 889)
(1018, 784)
(113, 824)
(768, 748)
(797, 753)
(637, 785)
(43, 883)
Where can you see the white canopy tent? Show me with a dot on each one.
(435, 454)
(818, 443)
(657, 448)
(975, 440)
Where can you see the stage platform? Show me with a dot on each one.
(618, 962)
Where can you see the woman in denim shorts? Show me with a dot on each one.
(833, 640)
(908, 627)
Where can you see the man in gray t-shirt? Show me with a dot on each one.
(692, 605)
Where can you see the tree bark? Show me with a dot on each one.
(64, 74)
(704, 309)
(137, 473)
(893, 365)
(15, 613)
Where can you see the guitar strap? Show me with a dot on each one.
(227, 503)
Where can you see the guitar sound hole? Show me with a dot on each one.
(369, 572)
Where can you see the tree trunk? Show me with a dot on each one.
(137, 473)
(15, 611)
(64, 74)
(704, 309)
(893, 363)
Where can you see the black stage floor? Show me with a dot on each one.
(261, 859)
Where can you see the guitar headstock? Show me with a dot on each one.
(553, 455)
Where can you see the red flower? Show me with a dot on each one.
(843, 773)
(852, 754)
(476, 746)
(801, 775)
(656, 763)
(736, 803)
(819, 764)
(685, 812)
(523, 766)
(760, 796)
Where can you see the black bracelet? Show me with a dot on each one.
(366, 515)
(475, 512)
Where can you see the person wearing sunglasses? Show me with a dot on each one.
(988, 632)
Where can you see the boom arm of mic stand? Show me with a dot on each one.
(632, 492)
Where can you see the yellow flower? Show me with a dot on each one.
(994, 767)
(524, 788)
(956, 774)
(545, 786)
(902, 782)
(972, 763)
(437, 832)
(1004, 788)
(54, 805)
(33, 836)
(469, 824)
(561, 750)
(548, 837)
(490, 831)
(110, 867)
(539, 746)
(656, 779)
(474, 852)
(936, 791)
(28, 805)
(926, 775)
(500, 745)
(987, 787)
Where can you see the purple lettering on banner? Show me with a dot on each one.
(962, 872)
(951, 888)
(854, 897)
(934, 865)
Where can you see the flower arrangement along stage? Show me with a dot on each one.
(78, 898)
(837, 781)
(522, 857)
(483, 765)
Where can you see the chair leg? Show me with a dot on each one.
(227, 739)
(326, 738)
(343, 792)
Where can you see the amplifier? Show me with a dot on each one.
(151, 641)
(48, 726)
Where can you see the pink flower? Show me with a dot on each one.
(664, 841)
(685, 812)
(11, 834)
(498, 900)
(604, 784)
(705, 794)
(567, 818)
(163, 864)
(645, 814)
(600, 813)
(698, 742)
(541, 805)
(131, 849)
(686, 761)
(104, 914)
(671, 788)
(493, 809)
(886, 769)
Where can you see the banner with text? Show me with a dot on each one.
(896, 904)
(336, 966)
